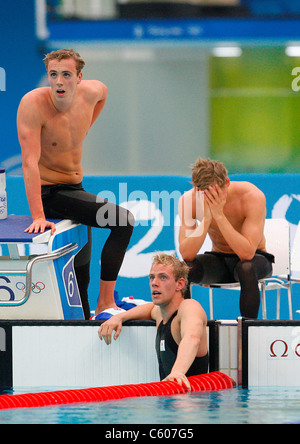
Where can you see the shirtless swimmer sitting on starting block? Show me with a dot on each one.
(52, 125)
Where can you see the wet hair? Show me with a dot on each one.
(207, 172)
(63, 54)
(180, 268)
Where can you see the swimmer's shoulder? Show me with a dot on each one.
(36, 96)
(186, 199)
(190, 308)
(187, 195)
(93, 89)
(248, 190)
(33, 105)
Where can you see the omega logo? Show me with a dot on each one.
(282, 351)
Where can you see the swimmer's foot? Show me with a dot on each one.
(125, 304)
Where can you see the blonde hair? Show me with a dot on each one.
(206, 172)
(63, 54)
(180, 269)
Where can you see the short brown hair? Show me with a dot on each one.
(63, 54)
(180, 269)
(206, 172)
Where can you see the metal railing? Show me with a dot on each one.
(28, 272)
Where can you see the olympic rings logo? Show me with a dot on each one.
(36, 288)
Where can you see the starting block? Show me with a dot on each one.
(43, 285)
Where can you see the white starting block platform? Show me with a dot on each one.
(41, 286)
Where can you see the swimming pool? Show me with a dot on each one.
(238, 406)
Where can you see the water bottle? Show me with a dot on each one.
(3, 196)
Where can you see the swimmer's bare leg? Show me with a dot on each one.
(106, 297)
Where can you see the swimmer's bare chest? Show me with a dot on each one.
(62, 138)
(236, 219)
(219, 244)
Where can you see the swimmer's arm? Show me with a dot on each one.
(144, 312)
(245, 242)
(193, 321)
(101, 94)
(29, 133)
(191, 235)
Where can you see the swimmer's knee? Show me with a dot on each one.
(195, 273)
(244, 268)
(126, 221)
(130, 219)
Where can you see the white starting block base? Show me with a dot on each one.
(269, 353)
(70, 354)
(41, 286)
(73, 356)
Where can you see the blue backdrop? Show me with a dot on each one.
(153, 200)
(21, 61)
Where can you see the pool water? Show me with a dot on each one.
(237, 406)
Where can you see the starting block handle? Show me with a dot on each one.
(42, 258)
